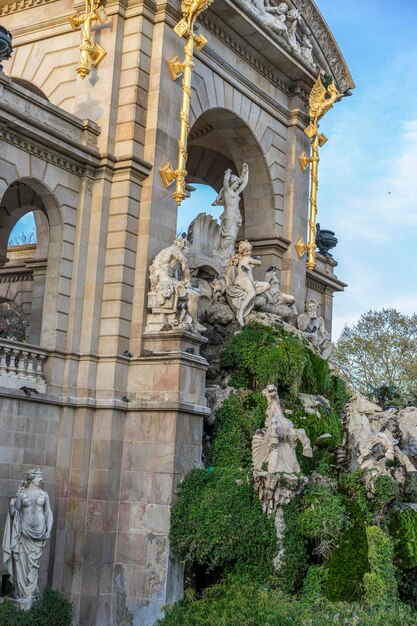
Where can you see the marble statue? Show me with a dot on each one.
(274, 17)
(28, 525)
(273, 447)
(231, 218)
(293, 18)
(274, 300)
(276, 471)
(172, 298)
(373, 441)
(311, 324)
(242, 288)
(306, 51)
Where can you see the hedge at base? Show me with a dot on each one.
(51, 609)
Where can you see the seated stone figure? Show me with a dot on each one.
(273, 447)
(274, 300)
(172, 298)
(242, 288)
(312, 326)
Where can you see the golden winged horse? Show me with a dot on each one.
(322, 100)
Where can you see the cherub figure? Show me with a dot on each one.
(242, 289)
(231, 218)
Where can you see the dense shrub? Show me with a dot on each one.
(260, 355)
(218, 522)
(349, 563)
(236, 423)
(403, 528)
(381, 582)
(51, 609)
(246, 604)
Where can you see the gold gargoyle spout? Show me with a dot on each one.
(90, 53)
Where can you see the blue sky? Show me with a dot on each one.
(372, 150)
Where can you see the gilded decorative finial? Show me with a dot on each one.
(322, 98)
(191, 9)
(91, 54)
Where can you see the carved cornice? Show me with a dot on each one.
(327, 43)
(21, 5)
(38, 151)
(244, 52)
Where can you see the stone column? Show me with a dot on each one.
(293, 274)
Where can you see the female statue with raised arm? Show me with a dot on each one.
(231, 218)
(28, 526)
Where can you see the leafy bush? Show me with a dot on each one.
(246, 604)
(260, 355)
(323, 518)
(218, 522)
(349, 563)
(403, 528)
(381, 582)
(51, 609)
(295, 558)
(236, 423)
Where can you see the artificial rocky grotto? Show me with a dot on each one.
(175, 391)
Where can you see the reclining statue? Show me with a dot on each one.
(312, 326)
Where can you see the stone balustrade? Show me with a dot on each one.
(21, 365)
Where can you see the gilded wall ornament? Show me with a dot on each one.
(91, 53)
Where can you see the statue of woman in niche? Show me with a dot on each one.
(231, 218)
(28, 526)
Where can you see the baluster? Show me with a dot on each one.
(22, 366)
(13, 368)
(3, 363)
(40, 358)
(31, 367)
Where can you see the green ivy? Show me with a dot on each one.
(381, 582)
(403, 528)
(323, 518)
(349, 562)
(295, 558)
(236, 423)
(218, 522)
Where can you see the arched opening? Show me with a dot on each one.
(220, 140)
(26, 215)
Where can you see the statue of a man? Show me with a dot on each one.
(274, 300)
(231, 218)
(28, 525)
(312, 325)
(171, 289)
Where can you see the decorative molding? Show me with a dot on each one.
(40, 152)
(21, 6)
(244, 52)
(15, 278)
(327, 43)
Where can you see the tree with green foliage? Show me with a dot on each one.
(378, 355)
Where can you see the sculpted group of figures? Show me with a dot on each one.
(200, 278)
(284, 22)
